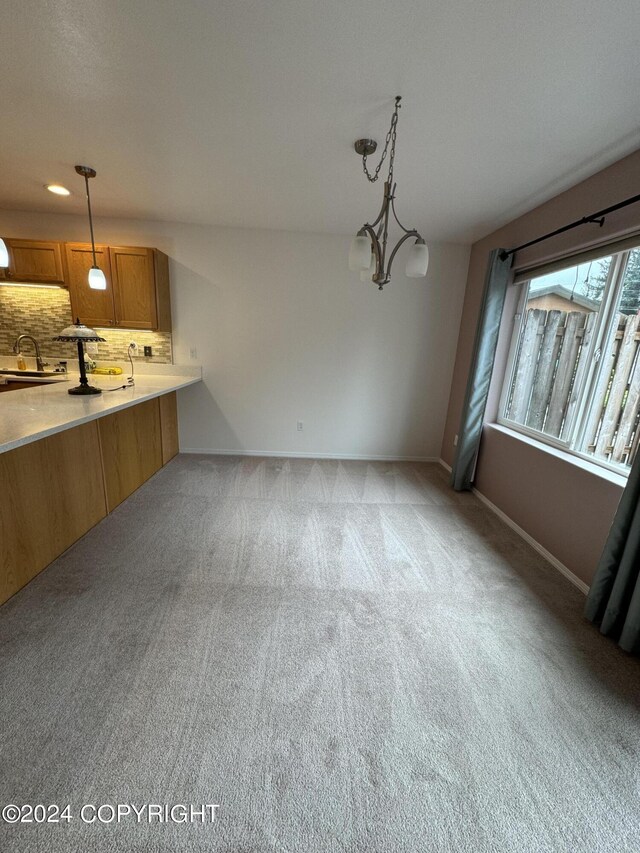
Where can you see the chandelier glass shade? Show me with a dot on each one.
(369, 253)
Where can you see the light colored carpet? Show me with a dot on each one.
(346, 656)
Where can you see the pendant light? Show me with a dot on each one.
(368, 251)
(4, 254)
(97, 280)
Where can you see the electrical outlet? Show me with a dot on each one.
(148, 352)
(133, 346)
(299, 426)
(193, 353)
(455, 441)
(91, 348)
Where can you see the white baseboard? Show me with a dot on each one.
(575, 580)
(294, 454)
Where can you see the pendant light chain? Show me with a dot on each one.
(391, 138)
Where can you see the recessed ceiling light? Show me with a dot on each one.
(58, 189)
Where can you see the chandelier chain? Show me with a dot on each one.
(391, 138)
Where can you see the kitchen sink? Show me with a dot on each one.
(5, 371)
(12, 382)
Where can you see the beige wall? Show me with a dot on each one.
(566, 509)
(285, 333)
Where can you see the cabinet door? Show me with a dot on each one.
(131, 449)
(92, 307)
(134, 287)
(48, 505)
(34, 261)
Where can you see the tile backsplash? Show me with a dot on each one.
(44, 312)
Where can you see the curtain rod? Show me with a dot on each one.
(594, 218)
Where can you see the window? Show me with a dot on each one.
(573, 378)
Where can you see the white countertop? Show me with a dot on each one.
(28, 414)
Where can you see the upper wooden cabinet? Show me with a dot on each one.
(134, 287)
(34, 261)
(92, 307)
(137, 294)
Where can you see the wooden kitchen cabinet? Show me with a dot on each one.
(34, 262)
(134, 287)
(169, 426)
(49, 504)
(53, 493)
(131, 449)
(137, 294)
(91, 307)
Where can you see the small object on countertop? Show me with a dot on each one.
(22, 364)
(78, 334)
(107, 371)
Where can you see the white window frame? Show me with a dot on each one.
(577, 427)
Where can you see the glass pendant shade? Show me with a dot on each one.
(418, 260)
(97, 280)
(360, 253)
(366, 275)
(4, 254)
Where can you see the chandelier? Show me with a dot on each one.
(368, 253)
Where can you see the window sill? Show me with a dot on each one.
(570, 458)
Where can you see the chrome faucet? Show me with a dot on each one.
(16, 348)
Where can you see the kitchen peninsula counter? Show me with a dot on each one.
(67, 461)
(30, 414)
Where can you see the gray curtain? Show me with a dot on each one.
(614, 598)
(484, 352)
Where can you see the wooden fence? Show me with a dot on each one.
(551, 363)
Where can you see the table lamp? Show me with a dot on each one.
(80, 334)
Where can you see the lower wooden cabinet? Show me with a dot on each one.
(131, 449)
(169, 425)
(52, 493)
(56, 489)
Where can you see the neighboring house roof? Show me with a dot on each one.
(565, 293)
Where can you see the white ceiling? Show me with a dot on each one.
(244, 112)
